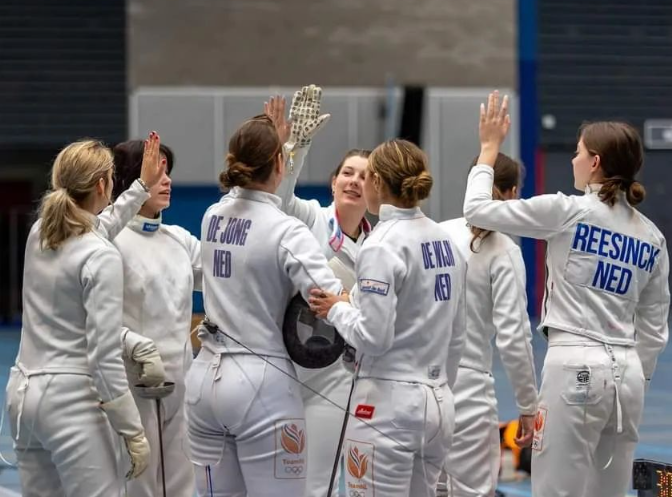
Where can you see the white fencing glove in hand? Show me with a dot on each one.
(305, 116)
(123, 415)
(145, 360)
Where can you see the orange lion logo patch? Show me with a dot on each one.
(539, 421)
(293, 439)
(357, 463)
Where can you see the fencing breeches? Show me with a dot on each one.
(323, 421)
(577, 450)
(178, 468)
(64, 444)
(473, 461)
(246, 426)
(397, 439)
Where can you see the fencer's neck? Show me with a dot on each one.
(350, 221)
(148, 212)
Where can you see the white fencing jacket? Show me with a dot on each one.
(407, 322)
(607, 266)
(497, 308)
(255, 259)
(162, 267)
(72, 301)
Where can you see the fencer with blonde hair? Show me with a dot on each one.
(406, 321)
(68, 386)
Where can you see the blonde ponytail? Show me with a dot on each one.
(76, 171)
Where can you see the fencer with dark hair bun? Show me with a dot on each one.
(406, 321)
(605, 310)
(247, 427)
(68, 386)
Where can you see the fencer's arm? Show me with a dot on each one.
(369, 327)
(102, 283)
(513, 331)
(303, 260)
(652, 314)
(115, 217)
(459, 333)
(193, 247)
(305, 211)
(537, 217)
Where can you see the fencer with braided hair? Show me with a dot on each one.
(406, 321)
(605, 310)
(246, 419)
(340, 228)
(68, 386)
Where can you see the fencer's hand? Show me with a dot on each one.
(321, 302)
(305, 117)
(144, 355)
(525, 432)
(123, 416)
(275, 110)
(493, 126)
(153, 166)
(138, 450)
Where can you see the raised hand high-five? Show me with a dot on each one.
(305, 117)
(275, 110)
(493, 127)
(153, 167)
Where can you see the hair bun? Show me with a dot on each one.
(237, 173)
(416, 188)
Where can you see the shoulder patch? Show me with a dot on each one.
(373, 286)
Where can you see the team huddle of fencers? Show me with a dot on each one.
(337, 358)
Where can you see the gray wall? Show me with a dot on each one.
(329, 42)
(197, 122)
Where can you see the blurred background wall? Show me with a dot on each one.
(194, 69)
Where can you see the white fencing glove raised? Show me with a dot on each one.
(123, 415)
(305, 116)
(144, 357)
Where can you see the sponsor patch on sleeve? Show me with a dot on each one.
(373, 286)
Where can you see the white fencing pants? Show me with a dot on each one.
(577, 450)
(178, 467)
(323, 421)
(474, 457)
(64, 445)
(246, 426)
(401, 449)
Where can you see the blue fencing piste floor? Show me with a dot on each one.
(655, 431)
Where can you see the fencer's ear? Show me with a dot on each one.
(597, 162)
(100, 186)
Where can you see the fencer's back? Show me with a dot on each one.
(494, 252)
(430, 276)
(55, 316)
(255, 259)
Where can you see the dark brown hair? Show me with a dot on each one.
(507, 176)
(353, 152)
(621, 157)
(403, 168)
(253, 151)
(128, 163)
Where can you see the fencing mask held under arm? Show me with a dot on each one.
(310, 342)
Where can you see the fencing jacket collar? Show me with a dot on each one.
(255, 195)
(388, 212)
(145, 225)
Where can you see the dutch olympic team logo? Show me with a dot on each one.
(357, 463)
(293, 439)
(539, 421)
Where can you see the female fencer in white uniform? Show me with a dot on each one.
(407, 324)
(246, 419)
(340, 229)
(605, 310)
(69, 384)
(162, 266)
(496, 308)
